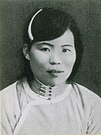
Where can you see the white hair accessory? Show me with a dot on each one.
(30, 24)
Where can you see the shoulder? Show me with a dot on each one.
(8, 95)
(91, 106)
(8, 91)
(85, 95)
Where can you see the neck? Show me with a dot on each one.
(47, 91)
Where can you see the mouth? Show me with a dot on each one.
(55, 72)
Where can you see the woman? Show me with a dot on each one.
(47, 101)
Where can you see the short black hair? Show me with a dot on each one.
(51, 23)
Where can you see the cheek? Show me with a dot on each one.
(36, 65)
(38, 59)
(69, 61)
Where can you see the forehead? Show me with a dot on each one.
(66, 38)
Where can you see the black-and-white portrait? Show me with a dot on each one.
(50, 77)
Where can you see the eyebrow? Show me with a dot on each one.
(43, 43)
(51, 45)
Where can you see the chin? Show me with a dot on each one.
(56, 82)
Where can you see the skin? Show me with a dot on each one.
(46, 58)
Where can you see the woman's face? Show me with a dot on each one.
(52, 61)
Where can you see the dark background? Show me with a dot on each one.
(15, 13)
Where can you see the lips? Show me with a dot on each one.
(54, 72)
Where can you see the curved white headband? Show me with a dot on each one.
(30, 24)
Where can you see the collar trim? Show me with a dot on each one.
(43, 100)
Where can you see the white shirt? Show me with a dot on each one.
(23, 112)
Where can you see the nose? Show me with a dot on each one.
(54, 59)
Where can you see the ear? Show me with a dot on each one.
(26, 51)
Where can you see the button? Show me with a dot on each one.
(50, 91)
(49, 94)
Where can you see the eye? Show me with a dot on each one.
(45, 49)
(66, 50)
